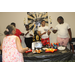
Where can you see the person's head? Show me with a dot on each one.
(43, 22)
(13, 24)
(27, 27)
(10, 30)
(60, 20)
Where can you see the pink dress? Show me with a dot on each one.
(9, 50)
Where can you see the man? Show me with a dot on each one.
(63, 30)
(18, 32)
(43, 32)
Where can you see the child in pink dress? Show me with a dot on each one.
(11, 46)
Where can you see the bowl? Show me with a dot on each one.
(61, 48)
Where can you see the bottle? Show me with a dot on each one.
(51, 45)
(55, 47)
(57, 44)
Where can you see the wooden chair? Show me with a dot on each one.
(72, 46)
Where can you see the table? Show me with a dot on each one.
(58, 56)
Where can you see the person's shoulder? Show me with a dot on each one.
(17, 30)
(66, 24)
(46, 26)
(16, 37)
(39, 28)
(57, 25)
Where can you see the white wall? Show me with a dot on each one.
(7, 17)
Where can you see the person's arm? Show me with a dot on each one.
(49, 32)
(1, 47)
(53, 30)
(70, 34)
(22, 34)
(31, 33)
(19, 46)
(41, 34)
(26, 33)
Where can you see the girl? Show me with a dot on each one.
(63, 31)
(28, 37)
(11, 46)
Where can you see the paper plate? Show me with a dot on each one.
(44, 48)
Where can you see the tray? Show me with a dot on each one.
(50, 50)
(28, 51)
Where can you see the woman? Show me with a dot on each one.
(28, 37)
(11, 46)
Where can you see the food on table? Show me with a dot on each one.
(50, 50)
(28, 51)
(37, 51)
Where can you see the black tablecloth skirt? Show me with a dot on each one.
(58, 56)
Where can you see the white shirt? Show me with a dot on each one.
(42, 30)
(28, 35)
(62, 30)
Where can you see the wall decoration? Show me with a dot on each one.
(50, 20)
(24, 20)
(37, 17)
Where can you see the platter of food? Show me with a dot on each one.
(37, 51)
(50, 50)
(30, 50)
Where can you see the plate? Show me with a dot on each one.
(44, 48)
(28, 51)
(50, 50)
(37, 51)
(61, 48)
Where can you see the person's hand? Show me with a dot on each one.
(49, 32)
(26, 33)
(27, 48)
(70, 39)
(44, 33)
(51, 27)
(31, 35)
